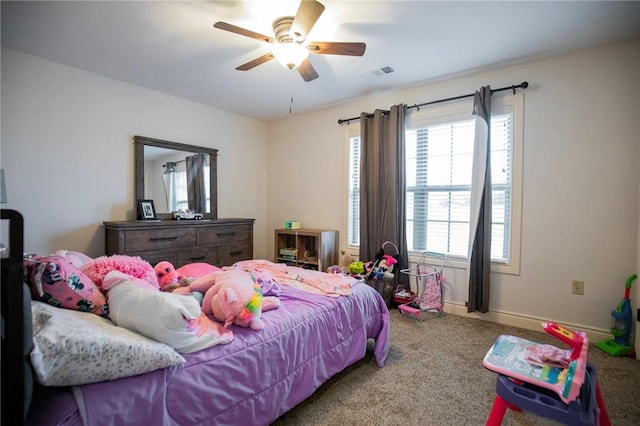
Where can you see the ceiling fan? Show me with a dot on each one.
(290, 46)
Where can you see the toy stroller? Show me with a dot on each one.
(428, 297)
(383, 266)
(382, 271)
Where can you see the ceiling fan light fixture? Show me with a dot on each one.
(290, 47)
(290, 55)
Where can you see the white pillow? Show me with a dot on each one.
(75, 348)
(174, 319)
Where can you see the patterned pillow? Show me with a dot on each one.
(75, 348)
(52, 279)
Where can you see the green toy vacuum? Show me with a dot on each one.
(622, 324)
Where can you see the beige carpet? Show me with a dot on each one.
(434, 376)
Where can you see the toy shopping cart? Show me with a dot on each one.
(428, 297)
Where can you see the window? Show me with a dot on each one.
(180, 182)
(439, 151)
(179, 185)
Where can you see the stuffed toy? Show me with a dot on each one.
(386, 266)
(133, 266)
(334, 269)
(345, 261)
(382, 268)
(170, 278)
(232, 296)
(357, 267)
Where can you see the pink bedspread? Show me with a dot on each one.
(334, 285)
(259, 375)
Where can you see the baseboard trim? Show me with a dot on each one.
(524, 321)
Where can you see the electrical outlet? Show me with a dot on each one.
(577, 287)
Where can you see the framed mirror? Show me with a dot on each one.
(176, 176)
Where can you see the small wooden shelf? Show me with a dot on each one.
(307, 248)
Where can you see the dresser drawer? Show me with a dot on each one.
(158, 239)
(229, 254)
(154, 257)
(219, 242)
(224, 234)
(198, 255)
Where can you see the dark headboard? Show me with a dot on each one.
(17, 377)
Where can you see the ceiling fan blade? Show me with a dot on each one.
(306, 17)
(244, 32)
(337, 48)
(258, 61)
(307, 71)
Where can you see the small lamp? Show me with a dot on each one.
(169, 184)
(170, 167)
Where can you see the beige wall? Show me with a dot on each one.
(67, 152)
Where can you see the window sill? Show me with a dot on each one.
(460, 263)
(455, 262)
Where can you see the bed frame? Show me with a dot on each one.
(16, 325)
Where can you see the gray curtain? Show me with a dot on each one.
(479, 257)
(197, 196)
(383, 183)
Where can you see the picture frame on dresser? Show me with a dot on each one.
(146, 210)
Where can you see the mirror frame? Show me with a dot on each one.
(141, 141)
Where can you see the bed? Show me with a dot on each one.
(253, 379)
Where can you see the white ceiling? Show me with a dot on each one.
(172, 47)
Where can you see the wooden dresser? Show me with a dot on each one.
(220, 242)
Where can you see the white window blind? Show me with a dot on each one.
(439, 161)
(353, 234)
(181, 189)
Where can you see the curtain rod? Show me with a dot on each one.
(522, 85)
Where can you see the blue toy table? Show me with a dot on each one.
(546, 390)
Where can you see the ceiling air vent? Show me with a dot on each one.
(378, 72)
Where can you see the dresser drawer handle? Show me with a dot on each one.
(163, 238)
(225, 234)
(235, 253)
(198, 258)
